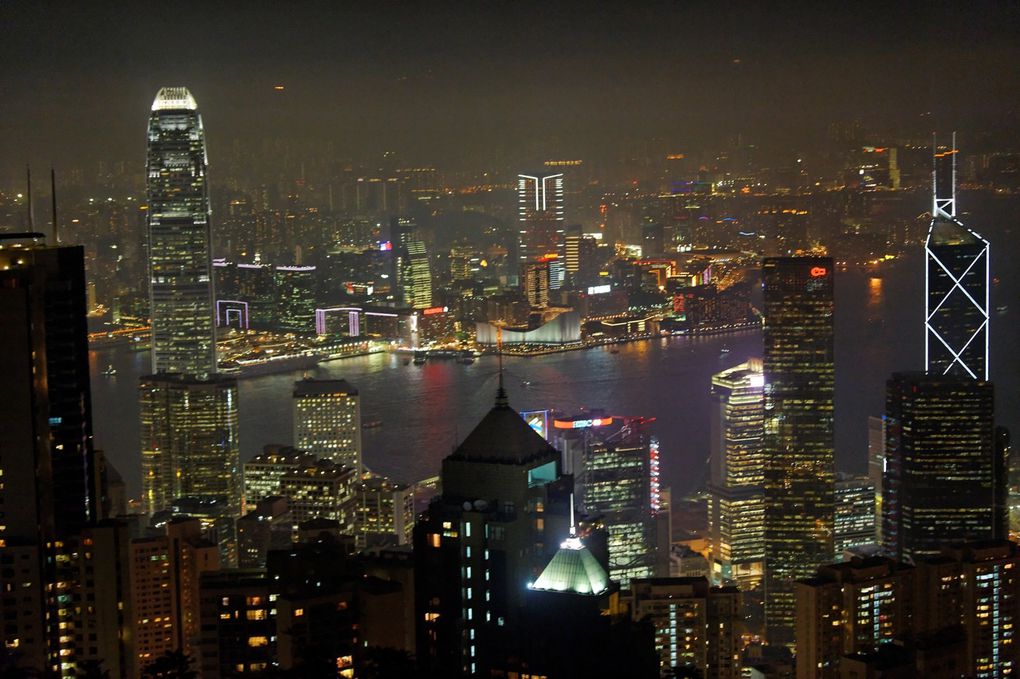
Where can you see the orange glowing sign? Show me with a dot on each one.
(582, 424)
(818, 271)
(434, 310)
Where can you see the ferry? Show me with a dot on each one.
(110, 370)
(419, 357)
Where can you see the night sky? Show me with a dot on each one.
(459, 83)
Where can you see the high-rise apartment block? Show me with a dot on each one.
(799, 439)
(325, 490)
(697, 627)
(945, 476)
(968, 597)
(179, 239)
(540, 214)
(327, 420)
(736, 513)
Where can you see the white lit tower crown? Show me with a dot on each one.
(956, 282)
(540, 214)
(180, 281)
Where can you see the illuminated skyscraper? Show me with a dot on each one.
(535, 282)
(956, 281)
(944, 470)
(416, 275)
(736, 512)
(327, 420)
(180, 265)
(798, 441)
(540, 214)
(295, 286)
(189, 440)
(855, 514)
(188, 413)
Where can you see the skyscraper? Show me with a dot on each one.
(956, 282)
(540, 214)
(943, 467)
(180, 265)
(798, 440)
(736, 501)
(189, 438)
(327, 420)
(535, 283)
(416, 275)
(188, 413)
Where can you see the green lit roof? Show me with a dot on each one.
(573, 569)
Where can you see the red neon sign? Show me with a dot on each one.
(434, 310)
(818, 271)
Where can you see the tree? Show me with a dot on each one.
(170, 665)
(92, 669)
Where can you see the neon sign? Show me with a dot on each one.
(818, 271)
(582, 424)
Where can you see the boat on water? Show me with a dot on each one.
(466, 357)
(724, 350)
(110, 370)
(371, 424)
(614, 350)
(419, 357)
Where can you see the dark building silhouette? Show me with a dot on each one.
(798, 443)
(946, 474)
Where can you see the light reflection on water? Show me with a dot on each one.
(425, 410)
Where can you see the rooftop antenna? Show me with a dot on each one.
(943, 204)
(501, 398)
(28, 189)
(573, 525)
(53, 196)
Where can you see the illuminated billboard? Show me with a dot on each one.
(599, 289)
(577, 423)
(538, 420)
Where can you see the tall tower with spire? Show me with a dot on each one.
(179, 240)
(956, 282)
(189, 438)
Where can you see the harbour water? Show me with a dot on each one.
(425, 410)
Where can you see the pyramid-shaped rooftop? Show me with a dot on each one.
(573, 569)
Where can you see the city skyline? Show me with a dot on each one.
(579, 342)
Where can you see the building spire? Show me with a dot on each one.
(53, 197)
(501, 398)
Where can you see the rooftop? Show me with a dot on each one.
(573, 569)
(174, 99)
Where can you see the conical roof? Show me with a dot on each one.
(573, 569)
(503, 436)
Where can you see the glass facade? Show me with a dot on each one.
(736, 501)
(941, 471)
(327, 420)
(798, 438)
(180, 267)
(189, 440)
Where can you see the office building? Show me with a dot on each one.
(327, 420)
(216, 515)
(572, 249)
(416, 275)
(295, 299)
(697, 627)
(876, 467)
(798, 441)
(179, 239)
(535, 283)
(539, 214)
(855, 514)
(957, 283)
(263, 472)
(325, 490)
(483, 540)
(944, 472)
(189, 439)
(736, 513)
(385, 512)
(105, 617)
